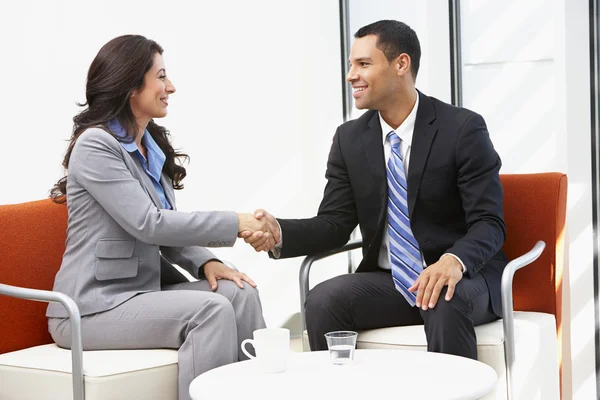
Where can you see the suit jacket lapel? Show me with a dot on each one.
(372, 144)
(145, 180)
(424, 133)
(149, 188)
(168, 189)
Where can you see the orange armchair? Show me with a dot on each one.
(32, 367)
(33, 237)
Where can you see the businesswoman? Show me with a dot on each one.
(124, 231)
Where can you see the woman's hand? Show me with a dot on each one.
(259, 241)
(248, 222)
(215, 270)
(255, 227)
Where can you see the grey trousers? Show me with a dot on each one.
(207, 327)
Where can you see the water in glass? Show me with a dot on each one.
(341, 353)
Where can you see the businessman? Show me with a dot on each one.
(421, 179)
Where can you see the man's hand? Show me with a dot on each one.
(249, 223)
(261, 241)
(446, 272)
(215, 270)
(249, 226)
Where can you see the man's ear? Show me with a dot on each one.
(402, 64)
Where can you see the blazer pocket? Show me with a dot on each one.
(115, 259)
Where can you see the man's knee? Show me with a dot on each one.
(448, 309)
(325, 295)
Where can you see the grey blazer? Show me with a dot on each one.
(117, 229)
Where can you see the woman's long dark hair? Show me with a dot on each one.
(118, 70)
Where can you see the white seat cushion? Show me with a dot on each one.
(536, 367)
(414, 336)
(44, 372)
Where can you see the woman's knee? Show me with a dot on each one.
(216, 303)
(213, 309)
(246, 296)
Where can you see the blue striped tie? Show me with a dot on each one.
(405, 257)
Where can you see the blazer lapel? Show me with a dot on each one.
(149, 188)
(424, 133)
(145, 180)
(372, 144)
(168, 189)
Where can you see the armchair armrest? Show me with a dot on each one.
(305, 271)
(75, 319)
(508, 321)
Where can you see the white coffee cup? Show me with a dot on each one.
(272, 347)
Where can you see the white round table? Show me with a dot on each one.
(398, 374)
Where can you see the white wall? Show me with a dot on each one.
(258, 101)
(508, 77)
(573, 110)
(526, 70)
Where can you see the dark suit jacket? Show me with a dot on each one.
(454, 193)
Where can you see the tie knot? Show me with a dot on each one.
(394, 139)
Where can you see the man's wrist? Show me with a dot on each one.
(279, 244)
(457, 261)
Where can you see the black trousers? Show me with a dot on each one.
(369, 300)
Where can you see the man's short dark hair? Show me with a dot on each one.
(393, 39)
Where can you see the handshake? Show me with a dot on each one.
(260, 230)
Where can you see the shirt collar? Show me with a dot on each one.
(153, 150)
(115, 126)
(406, 129)
(147, 140)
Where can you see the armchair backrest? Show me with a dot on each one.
(535, 209)
(33, 238)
